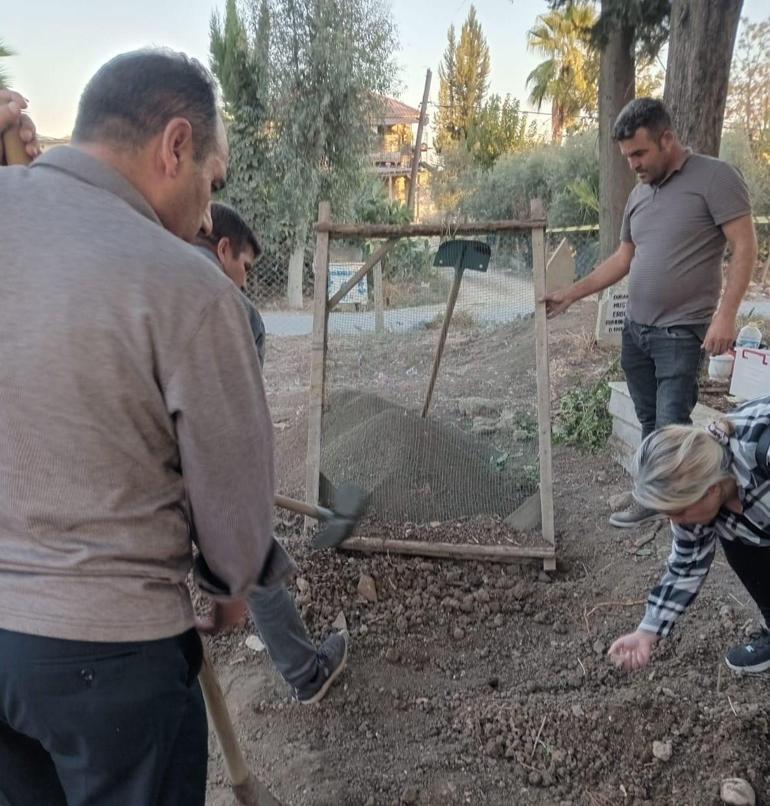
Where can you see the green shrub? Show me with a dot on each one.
(583, 419)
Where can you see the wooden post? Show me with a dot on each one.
(318, 361)
(379, 300)
(543, 384)
(418, 142)
(503, 553)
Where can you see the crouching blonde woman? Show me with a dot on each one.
(714, 486)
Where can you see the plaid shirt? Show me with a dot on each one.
(693, 547)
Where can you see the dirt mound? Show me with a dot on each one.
(415, 470)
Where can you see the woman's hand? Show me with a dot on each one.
(632, 651)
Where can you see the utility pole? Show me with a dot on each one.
(418, 143)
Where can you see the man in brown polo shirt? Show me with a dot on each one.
(677, 221)
(132, 416)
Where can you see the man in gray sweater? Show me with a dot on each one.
(132, 416)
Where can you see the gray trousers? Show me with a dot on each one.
(285, 636)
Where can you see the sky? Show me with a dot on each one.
(59, 45)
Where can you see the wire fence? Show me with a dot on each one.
(409, 278)
(474, 455)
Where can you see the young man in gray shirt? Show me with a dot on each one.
(677, 221)
(232, 245)
(132, 417)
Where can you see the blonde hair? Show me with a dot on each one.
(676, 465)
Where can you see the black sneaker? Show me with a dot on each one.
(751, 658)
(332, 657)
(635, 515)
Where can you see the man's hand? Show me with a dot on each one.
(223, 616)
(720, 335)
(632, 651)
(558, 302)
(12, 106)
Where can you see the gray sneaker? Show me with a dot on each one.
(635, 515)
(332, 659)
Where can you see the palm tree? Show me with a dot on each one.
(569, 75)
(4, 53)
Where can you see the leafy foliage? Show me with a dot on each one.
(410, 258)
(584, 420)
(5, 52)
(748, 99)
(569, 75)
(300, 89)
(500, 128)
(738, 150)
(565, 177)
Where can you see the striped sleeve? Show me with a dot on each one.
(692, 552)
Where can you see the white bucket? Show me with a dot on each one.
(721, 367)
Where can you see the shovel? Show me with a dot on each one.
(461, 255)
(338, 522)
(248, 791)
(14, 148)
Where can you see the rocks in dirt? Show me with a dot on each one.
(303, 586)
(560, 628)
(498, 620)
(367, 588)
(409, 795)
(599, 647)
(662, 750)
(340, 623)
(392, 655)
(620, 501)
(458, 633)
(479, 406)
(737, 792)
(520, 590)
(543, 577)
(254, 643)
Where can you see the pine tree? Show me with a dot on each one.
(463, 82)
(471, 71)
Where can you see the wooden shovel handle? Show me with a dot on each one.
(450, 307)
(14, 147)
(235, 764)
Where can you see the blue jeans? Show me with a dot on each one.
(118, 724)
(661, 366)
(285, 636)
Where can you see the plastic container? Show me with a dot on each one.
(721, 367)
(749, 336)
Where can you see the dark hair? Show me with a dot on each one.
(133, 96)
(647, 113)
(226, 223)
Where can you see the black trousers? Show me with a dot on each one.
(101, 724)
(752, 566)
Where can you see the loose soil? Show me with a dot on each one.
(473, 683)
